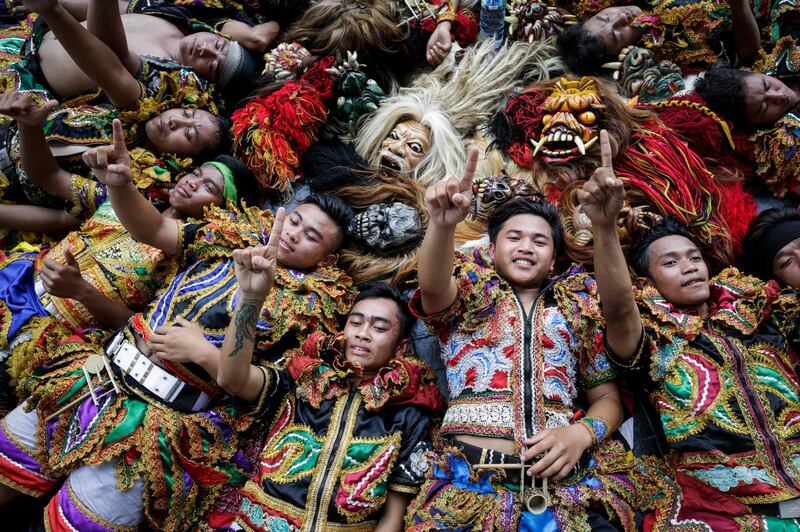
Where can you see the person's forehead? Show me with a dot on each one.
(753, 85)
(211, 172)
(788, 248)
(672, 244)
(376, 308)
(528, 224)
(315, 217)
(207, 36)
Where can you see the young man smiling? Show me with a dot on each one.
(716, 360)
(521, 352)
(346, 447)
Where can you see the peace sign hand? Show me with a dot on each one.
(111, 164)
(603, 196)
(255, 266)
(449, 201)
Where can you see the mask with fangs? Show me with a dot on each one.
(570, 121)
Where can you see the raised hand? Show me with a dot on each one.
(603, 196)
(25, 109)
(111, 164)
(449, 201)
(255, 266)
(439, 44)
(63, 280)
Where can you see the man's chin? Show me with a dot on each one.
(697, 297)
(526, 281)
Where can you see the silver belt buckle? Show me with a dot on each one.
(789, 509)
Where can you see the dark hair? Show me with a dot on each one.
(246, 186)
(331, 165)
(582, 52)
(722, 88)
(759, 227)
(667, 226)
(383, 290)
(519, 206)
(336, 208)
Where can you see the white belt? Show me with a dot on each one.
(40, 291)
(150, 375)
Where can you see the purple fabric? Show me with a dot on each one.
(74, 516)
(87, 413)
(87, 416)
(18, 293)
(51, 428)
(15, 454)
(221, 425)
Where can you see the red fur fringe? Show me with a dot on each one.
(271, 133)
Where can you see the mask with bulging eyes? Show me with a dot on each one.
(387, 228)
(488, 193)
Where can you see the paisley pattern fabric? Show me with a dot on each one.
(727, 390)
(122, 269)
(332, 453)
(185, 459)
(495, 355)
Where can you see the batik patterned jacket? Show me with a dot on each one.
(727, 390)
(335, 450)
(511, 375)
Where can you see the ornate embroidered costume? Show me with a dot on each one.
(511, 375)
(727, 390)
(125, 271)
(775, 148)
(185, 455)
(335, 450)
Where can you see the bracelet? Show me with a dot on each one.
(448, 14)
(597, 426)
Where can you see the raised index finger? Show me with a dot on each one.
(469, 169)
(119, 137)
(275, 234)
(605, 149)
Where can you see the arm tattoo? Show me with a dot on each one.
(245, 324)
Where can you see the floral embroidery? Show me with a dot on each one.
(725, 478)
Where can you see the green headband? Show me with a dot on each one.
(228, 186)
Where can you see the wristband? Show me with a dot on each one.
(448, 14)
(597, 426)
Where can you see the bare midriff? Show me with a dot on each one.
(146, 35)
(497, 444)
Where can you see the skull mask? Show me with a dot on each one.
(491, 192)
(387, 228)
(570, 121)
